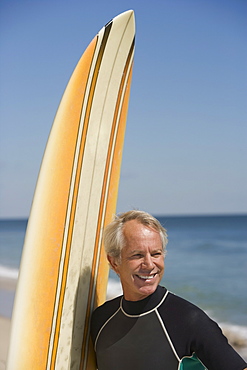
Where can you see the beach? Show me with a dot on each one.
(4, 341)
(7, 287)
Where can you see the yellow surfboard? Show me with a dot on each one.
(64, 272)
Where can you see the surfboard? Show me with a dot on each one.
(64, 271)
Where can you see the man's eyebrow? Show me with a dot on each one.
(139, 251)
(135, 251)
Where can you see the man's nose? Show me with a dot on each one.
(148, 261)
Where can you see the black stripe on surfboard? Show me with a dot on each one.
(53, 353)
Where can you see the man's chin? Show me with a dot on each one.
(140, 289)
(147, 287)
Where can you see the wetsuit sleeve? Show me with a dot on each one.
(212, 347)
(192, 331)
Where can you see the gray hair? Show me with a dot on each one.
(113, 235)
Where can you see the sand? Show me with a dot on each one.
(4, 340)
(7, 287)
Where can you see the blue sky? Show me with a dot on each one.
(186, 142)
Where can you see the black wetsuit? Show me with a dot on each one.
(160, 332)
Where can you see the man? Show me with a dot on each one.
(149, 327)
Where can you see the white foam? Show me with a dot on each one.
(8, 272)
(236, 334)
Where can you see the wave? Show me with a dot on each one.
(236, 334)
(237, 337)
(8, 272)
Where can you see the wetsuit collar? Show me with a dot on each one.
(144, 305)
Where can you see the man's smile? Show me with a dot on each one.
(146, 277)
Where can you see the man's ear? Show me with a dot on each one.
(113, 263)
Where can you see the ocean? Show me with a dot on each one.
(206, 263)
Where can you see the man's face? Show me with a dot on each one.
(142, 261)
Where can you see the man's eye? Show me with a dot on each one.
(157, 254)
(137, 256)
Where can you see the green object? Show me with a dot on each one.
(191, 363)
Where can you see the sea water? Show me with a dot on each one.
(206, 263)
